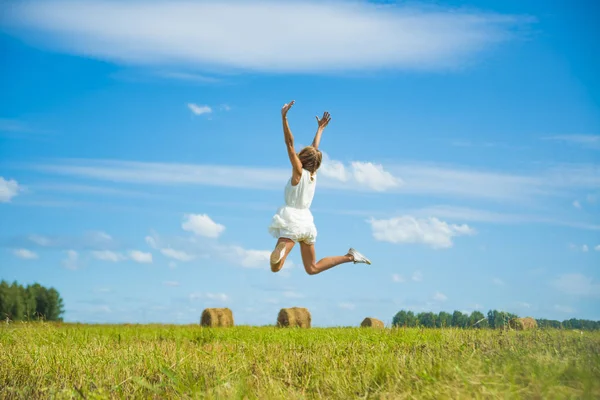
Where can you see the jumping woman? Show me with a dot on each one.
(293, 222)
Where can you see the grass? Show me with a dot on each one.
(45, 360)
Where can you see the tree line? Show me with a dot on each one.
(29, 303)
(494, 319)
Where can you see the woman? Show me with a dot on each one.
(294, 221)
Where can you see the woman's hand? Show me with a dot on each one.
(323, 121)
(286, 108)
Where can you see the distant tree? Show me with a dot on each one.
(33, 302)
(427, 319)
(444, 320)
(478, 320)
(459, 320)
(400, 319)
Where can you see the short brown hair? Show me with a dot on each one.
(310, 158)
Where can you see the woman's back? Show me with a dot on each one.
(301, 195)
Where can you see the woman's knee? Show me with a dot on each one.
(311, 268)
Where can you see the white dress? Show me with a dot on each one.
(294, 220)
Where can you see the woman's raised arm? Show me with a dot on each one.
(289, 144)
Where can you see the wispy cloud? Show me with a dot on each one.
(576, 204)
(438, 296)
(220, 297)
(25, 254)
(9, 188)
(417, 276)
(577, 285)
(347, 306)
(564, 309)
(171, 283)
(408, 229)
(588, 141)
(187, 77)
(406, 179)
(488, 216)
(249, 37)
(72, 260)
(177, 254)
(398, 278)
(576, 247)
(498, 282)
(107, 255)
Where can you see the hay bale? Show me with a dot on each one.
(522, 324)
(295, 317)
(372, 322)
(217, 317)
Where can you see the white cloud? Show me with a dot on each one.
(72, 261)
(8, 189)
(576, 204)
(498, 282)
(333, 169)
(585, 248)
(417, 276)
(589, 141)
(177, 254)
(248, 35)
(397, 278)
(597, 248)
(564, 309)
(202, 225)
(199, 110)
(140, 256)
(440, 296)
(347, 306)
(374, 176)
(578, 285)
(171, 283)
(408, 229)
(25, 254)
(107, 255)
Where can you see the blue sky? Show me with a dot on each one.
(141, 156)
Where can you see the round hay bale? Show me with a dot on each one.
(295, 317)
(372, 322)
(522, 324)
(216, 317)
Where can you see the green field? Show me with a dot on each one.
(45, 360)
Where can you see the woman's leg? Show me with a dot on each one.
(278, 256)
(312, 267)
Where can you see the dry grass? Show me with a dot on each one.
(217, 317)
(190, 362)
(522, 324)
(372, 322)
(295, 317)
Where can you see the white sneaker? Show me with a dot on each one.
(358, 258)
(278, 253)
